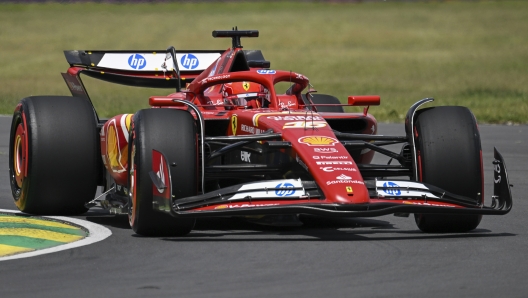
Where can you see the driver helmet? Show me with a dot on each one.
(245, 94)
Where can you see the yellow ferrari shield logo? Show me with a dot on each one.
(234, 124)
(349, 189)
(245, 85)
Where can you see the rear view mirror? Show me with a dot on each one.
(364, 100)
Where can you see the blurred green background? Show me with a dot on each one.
(473, 54)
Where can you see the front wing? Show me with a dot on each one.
(289, 196)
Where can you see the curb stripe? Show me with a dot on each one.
(24, 219)
(40, 234)
(69, 231)
(10, 250)
(28, 242)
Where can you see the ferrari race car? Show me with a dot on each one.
(231, 142)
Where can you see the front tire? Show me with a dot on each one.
(172, 132)
(53, 156)
(449, 156)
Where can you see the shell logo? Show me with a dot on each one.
(318, 141)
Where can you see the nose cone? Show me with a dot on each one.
(330, 164)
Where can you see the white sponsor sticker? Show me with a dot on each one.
(153, 61)
(332, 169)
(344, 182)
(330, 157)
(266, 71)
(250, 129)
(215, 78)
(428, 204)
(285, 105)
(334, 163)
(232, 206)
(394, 188)
(272, 189)
(325, 150)
(305, 124)
(245, 156)
(406, 194)
(300, 76)
(295, 118)
(401, 184)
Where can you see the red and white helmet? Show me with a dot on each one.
(245, 94)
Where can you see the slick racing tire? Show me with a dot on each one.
(172, 132)
(53, 155)
(449, 156)
(325, 99)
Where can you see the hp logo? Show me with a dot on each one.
(286, 189)
(391, 188)
(137, 61)
(189, 61)
(266, 71)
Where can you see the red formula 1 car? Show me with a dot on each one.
(228, 142)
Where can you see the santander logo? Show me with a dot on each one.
(344, 179)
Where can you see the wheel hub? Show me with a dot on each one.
(20, 156)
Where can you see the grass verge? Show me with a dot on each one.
(461, 53)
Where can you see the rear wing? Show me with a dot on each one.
(150, 69)
(143, 61)
(155, 69)
(141, 68)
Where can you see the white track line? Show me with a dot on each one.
(96, 233)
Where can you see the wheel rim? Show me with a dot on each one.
(20, 156)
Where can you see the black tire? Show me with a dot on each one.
(53, 155)
(172, 132)
(325, 99)
(449, 156)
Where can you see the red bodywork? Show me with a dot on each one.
(312, 141)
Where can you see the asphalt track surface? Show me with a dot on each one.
(376, 257)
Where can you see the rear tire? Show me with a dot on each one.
(53, 164)
(449, 156)
(150, 129)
